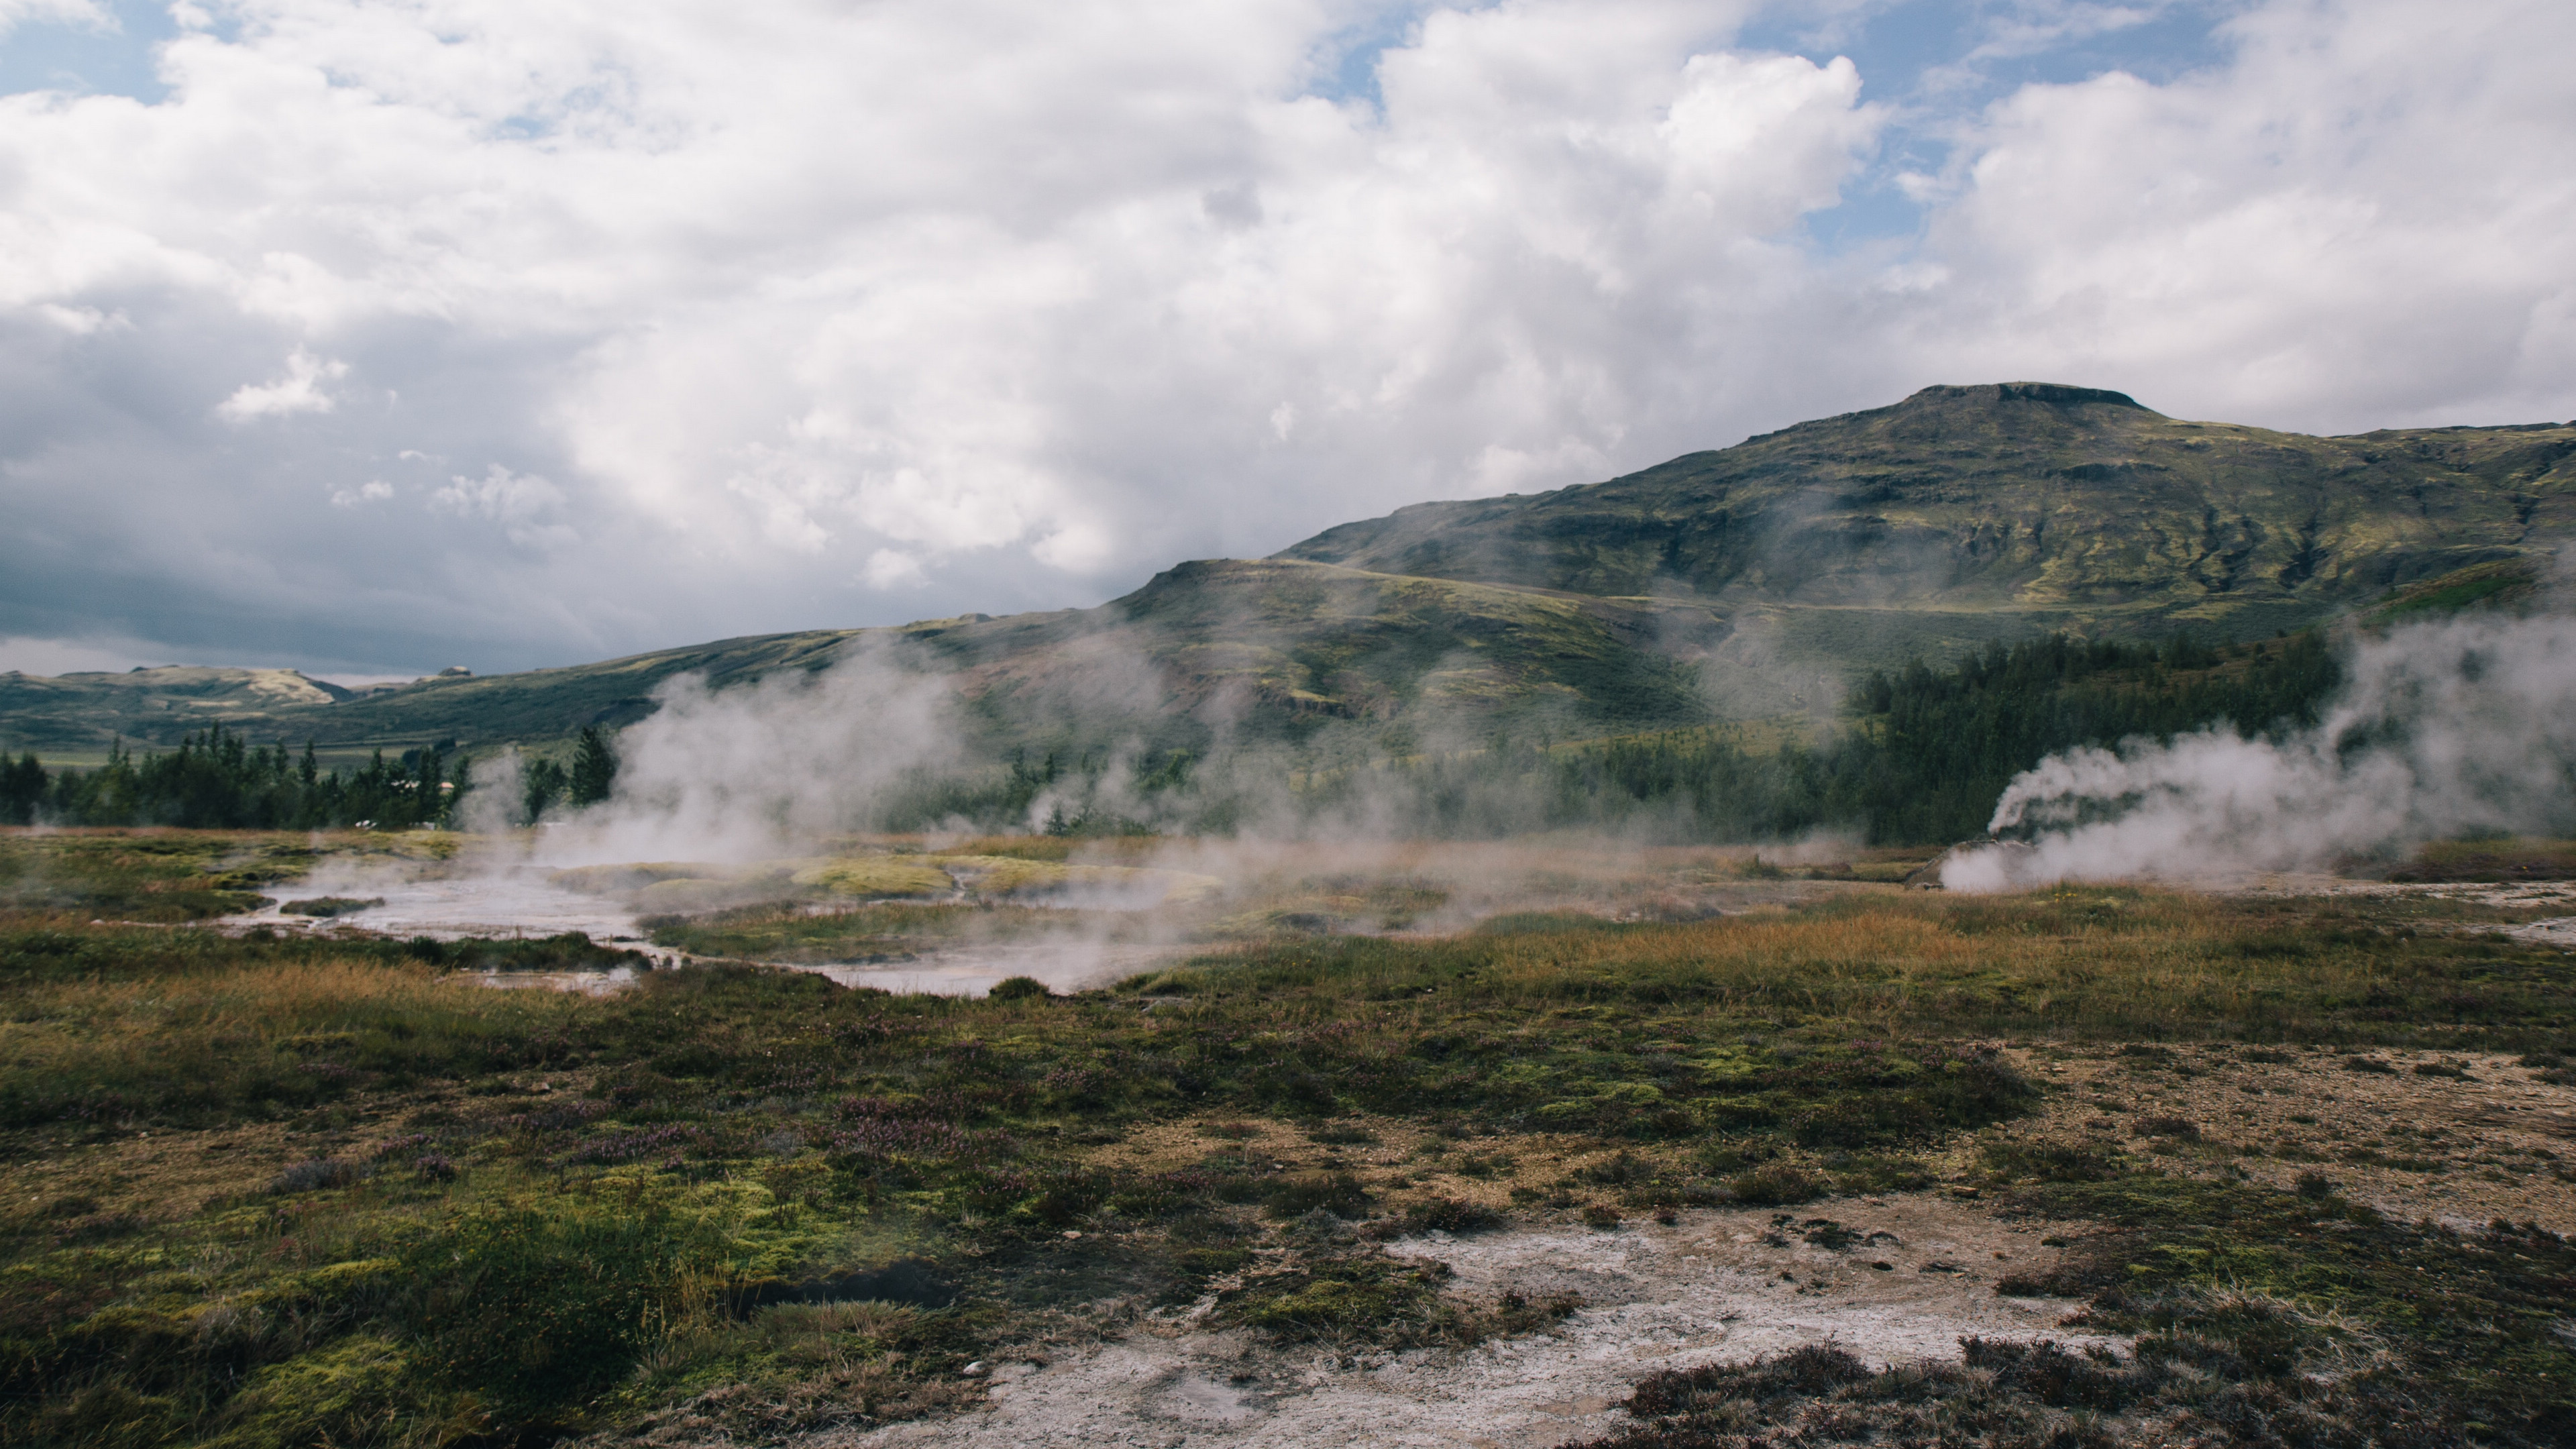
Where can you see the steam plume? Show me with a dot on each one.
(763, 766)
(2441, 728)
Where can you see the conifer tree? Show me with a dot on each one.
(22, 789)
(594, 768)
(542, 785)
(428, 795)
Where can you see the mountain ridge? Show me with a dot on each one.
(2065, 505)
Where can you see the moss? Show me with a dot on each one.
(1359, 1297)
(877, 875)
(360, 1389)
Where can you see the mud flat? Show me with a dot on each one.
(1907, 1278)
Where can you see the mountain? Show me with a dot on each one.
(1969, 514)
(78, 714)
(1276, 646)
(1264, 647)
(1747, 582)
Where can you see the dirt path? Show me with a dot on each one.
(1914, 1275)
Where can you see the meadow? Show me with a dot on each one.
(276, 1188)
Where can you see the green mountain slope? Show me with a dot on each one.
(1274, 647)
(1965, 515)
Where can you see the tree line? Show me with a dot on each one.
(219, 780)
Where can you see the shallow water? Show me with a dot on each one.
(511, 903)
(520, 902)
(972, 970)
(588, 983)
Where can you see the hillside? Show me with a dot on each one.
(1965, 515)
(1748, 582)
(75, 715)
(1263, 648)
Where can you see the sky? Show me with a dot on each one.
(369, 337)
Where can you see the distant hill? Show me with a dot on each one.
(1971, 514)
(78, 714)
(1750, 582)
(1265, 648)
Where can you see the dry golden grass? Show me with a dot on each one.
(262, 1036)
(2495, 1140)
(258, 1001)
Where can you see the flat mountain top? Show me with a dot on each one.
(2054, 506)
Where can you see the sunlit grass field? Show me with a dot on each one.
(301, 1190)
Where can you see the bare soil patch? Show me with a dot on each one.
(1896, 1279)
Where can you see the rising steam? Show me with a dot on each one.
(768, 766)
(2441, 728)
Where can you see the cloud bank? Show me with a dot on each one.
(607, 327)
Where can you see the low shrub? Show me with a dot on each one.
(1776, 1184)
(1450, 1215)
(1342, 1298)
(1338, 1193)
(2051, 1162)
(542, 1310)
(315, 1174)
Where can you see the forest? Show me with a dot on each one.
(1925, 753)
(219, 780)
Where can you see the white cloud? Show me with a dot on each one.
(526, 506)
(892, 569)
(85, 14)
(374, 491)
(300, 391)
(2351, 225)
(79, 321)
(1036, 298)
(499, 494)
